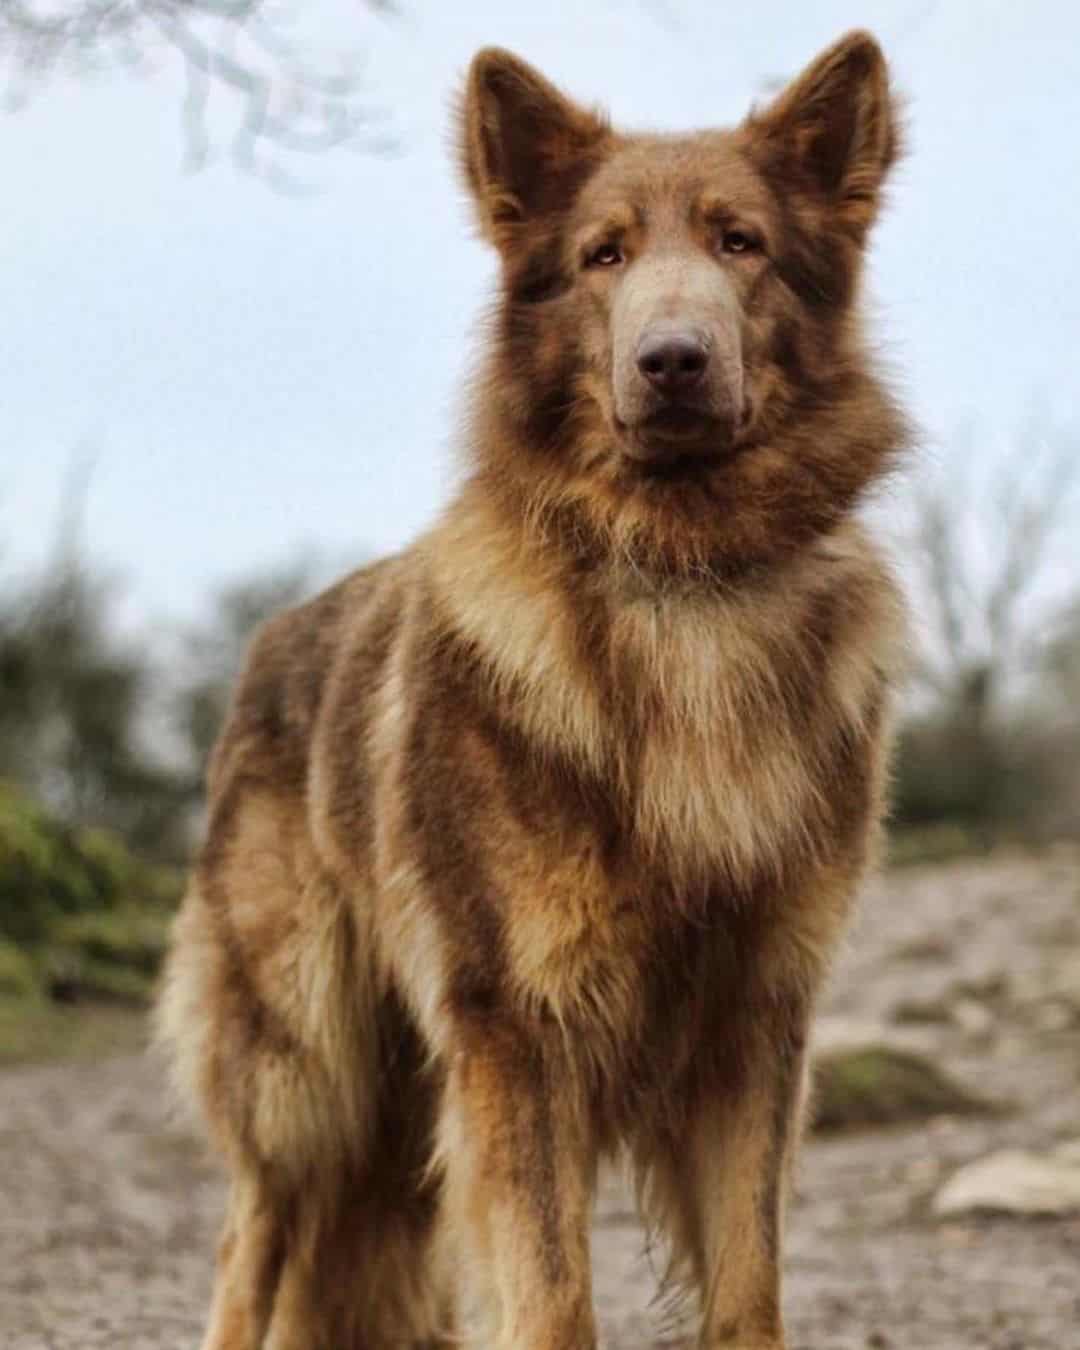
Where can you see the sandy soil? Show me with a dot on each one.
(108, 1211)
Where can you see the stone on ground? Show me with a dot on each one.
(1015, 1181)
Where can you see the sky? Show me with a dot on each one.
(255, 376)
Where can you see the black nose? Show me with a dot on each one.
(672, 362)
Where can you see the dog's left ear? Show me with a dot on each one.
(525, 146)
(834, 130)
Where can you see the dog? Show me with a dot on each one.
(529, 846)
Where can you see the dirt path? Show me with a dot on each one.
(108, 1213)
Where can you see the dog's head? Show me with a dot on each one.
(677, 359)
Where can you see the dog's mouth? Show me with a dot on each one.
(677, 441)
(678, 423)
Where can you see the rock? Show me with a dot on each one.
(972, 1017)
(949, 1007)
(987, 984)
(1013, 1181)
(922, 1011)
(870, 1079)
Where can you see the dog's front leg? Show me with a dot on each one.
(519, 1170)
(738, 1153)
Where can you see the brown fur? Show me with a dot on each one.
(531, 845)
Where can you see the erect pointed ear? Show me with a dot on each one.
(526, 148)
(834, 130)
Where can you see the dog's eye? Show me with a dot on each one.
(738, 241)
(606, 255)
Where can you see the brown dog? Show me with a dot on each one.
(531, 845)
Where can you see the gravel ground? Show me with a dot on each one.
(108, 1211)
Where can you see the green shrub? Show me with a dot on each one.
(19, 976)
(135, 938)
(112, 954)
(49, 870)
(81, 916)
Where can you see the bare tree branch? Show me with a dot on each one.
(982, 566)
(287, 102)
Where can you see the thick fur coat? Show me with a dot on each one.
(530, 845)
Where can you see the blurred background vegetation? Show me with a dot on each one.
(103, 746)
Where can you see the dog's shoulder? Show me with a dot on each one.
(282, 688)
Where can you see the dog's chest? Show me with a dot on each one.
(703, 790)
(673, 752)
(700, 715)
(717, 740)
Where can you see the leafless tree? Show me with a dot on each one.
(994, 577)
(987, 542)
(286, 101)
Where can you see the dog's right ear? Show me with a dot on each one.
(526, 148)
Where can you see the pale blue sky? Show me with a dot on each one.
(260, 374)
